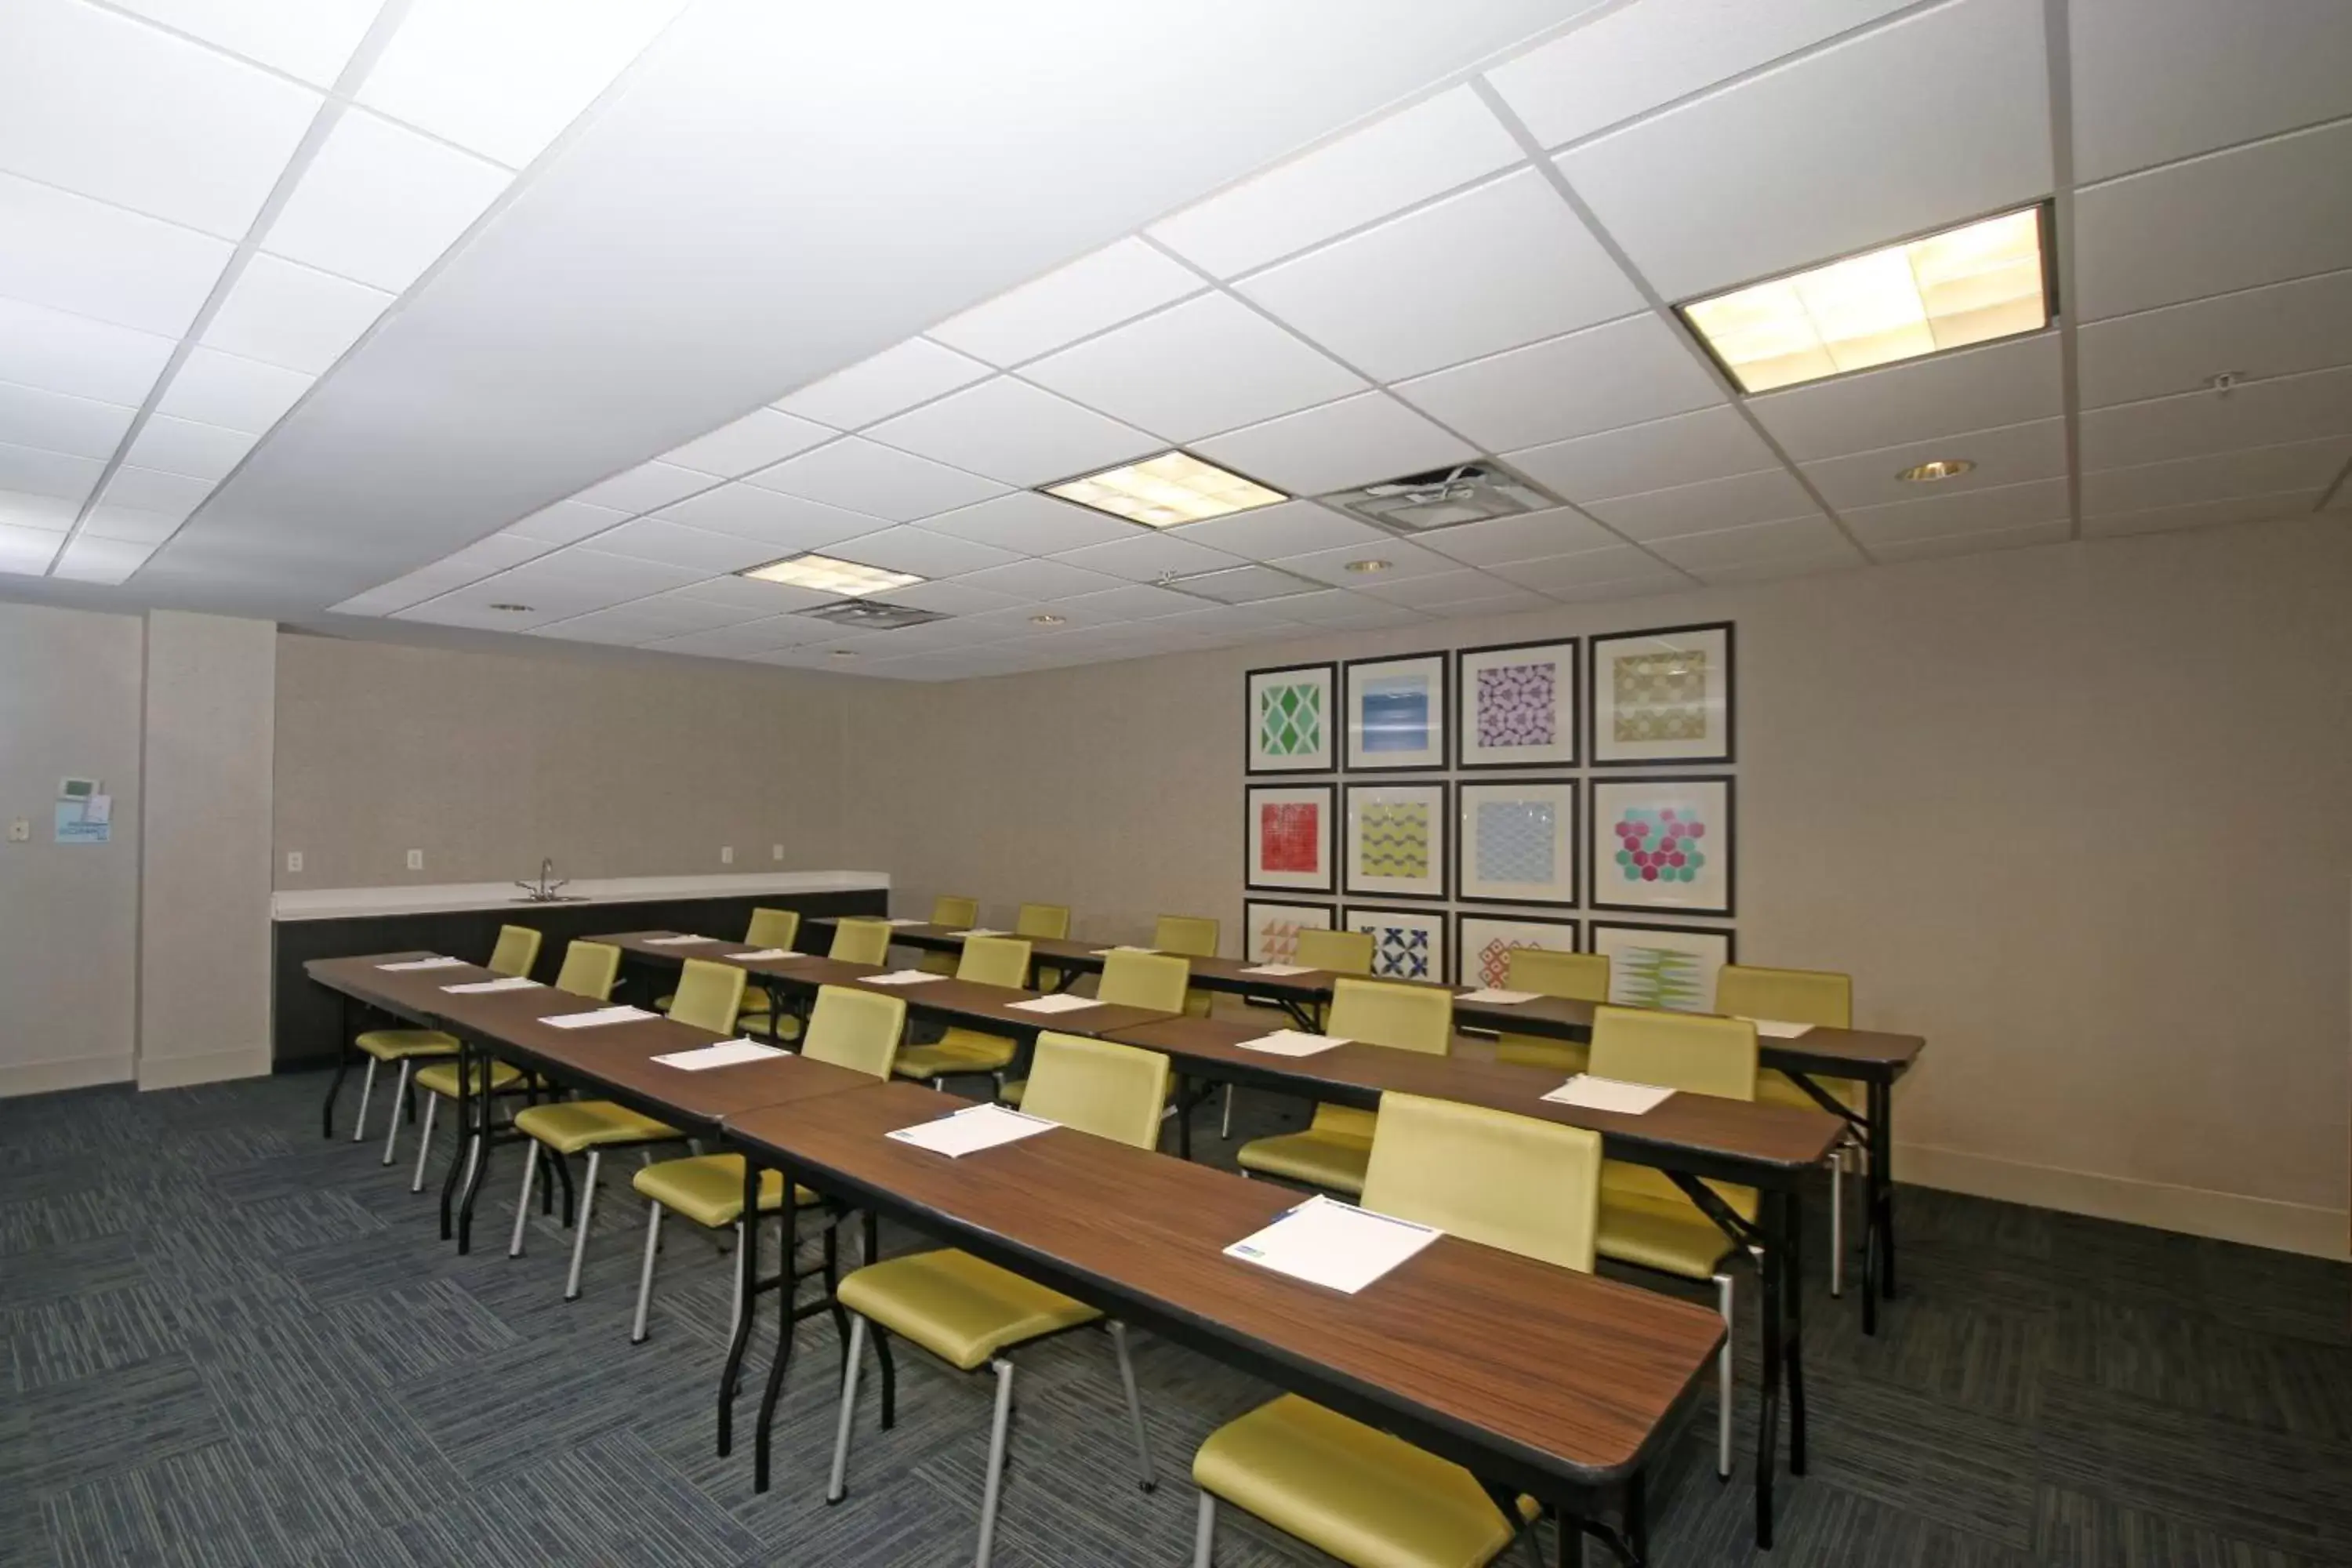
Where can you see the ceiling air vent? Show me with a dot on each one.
(872, 614)
(1443, 497)
(1243, 585)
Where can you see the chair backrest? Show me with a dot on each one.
(709, 995)
(1153, 980)
(955, 914)
(517, 951)
(1340, 952)
(1109, 1090)
(860, 939)
(1513, 1182)
(588, 970)
(1043, 920)
(1689, 1051)
(772, 928)
(1581, 975)
(1409, 1017)
(1792, 996)
(994, 960)
(1194, 936)
(852, 1028)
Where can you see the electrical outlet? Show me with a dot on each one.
(20, 830)
(727, 854)
(293, 859)
(775, 851)
(416, 859)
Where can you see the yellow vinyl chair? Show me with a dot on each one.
(968, 1312)
(860, 939)
(961, 1052)
(1645, 1219)
(1352, 1491)
(1189, 936)
(1051, 921)
(1816, 996)
(1338, 1145)
(849, 1028)
(1153, 980)
(949, 912)
(513, 956)
(1337, 951)
(769, 928)
(1582, 976)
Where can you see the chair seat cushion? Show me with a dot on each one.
(1319, 1156)
(661, 1003)
(961, 1310)
(1669, 1234)
(1532, 1052)
(754, 1021)
(956, 1051)
(709, 1188)
(441, 1077)
(1364, 1497)
(393, 1045)
(575, 1125)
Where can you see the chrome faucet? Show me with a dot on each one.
(543, 892)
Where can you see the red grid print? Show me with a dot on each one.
(1289, 836)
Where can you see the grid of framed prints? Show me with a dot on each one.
(1663, 843)
(1396, 713)
(1407, 945)
(1671, 967)
(1515, 705)
(1482, 945)
(1518, 842)
(1292, 712)
(1661, 696)
(1396, 840)
(1270, 930)
(1289, 838)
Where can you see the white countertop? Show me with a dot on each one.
(345, 903)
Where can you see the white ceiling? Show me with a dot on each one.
(384, 313)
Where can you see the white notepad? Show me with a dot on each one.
(1122, 947)
(1061, 1002)
(982, 930)
(1593, 1093)
(1292, 1043)
(1333, 1244)
(426, 964)
(1280, 969)
(505, 983)
(678, 941)
(970, 1131)
(1780, 1028)
(1497, 996)
(904, 920)
(763, 955)
(725, 1054)
(596, 1019)
(900, 977)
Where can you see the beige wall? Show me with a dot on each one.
(2076, 815)
(489, 762)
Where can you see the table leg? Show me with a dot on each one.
(1773, 1214)
(477, 1162)
(343, 1065)
(787, 1280)
(464, 1126)
(747, 1276)
(1792, 1295)
(1882, 1181)
(1183, 1119)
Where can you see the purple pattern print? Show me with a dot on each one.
(1516, 706)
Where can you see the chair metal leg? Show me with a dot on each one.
(1723, 1382)
(993, 1491)
(646, 1276)
(1837, 1219)
(424, 1142)
(522, 1201)
(1204, 1533)
(367, 1087)
(1225, 1127)
(838, 1487)
(1144, 1473)
(735, 1318)
(579, 1234)
(399, 1099)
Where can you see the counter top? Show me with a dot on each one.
(346, 903)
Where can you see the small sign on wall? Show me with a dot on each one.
(85, 813)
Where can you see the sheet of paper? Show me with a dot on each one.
(504, 982)
(1060, 1003)
(1293, 1043)
(596, 1019)
(725, 1054)
(1610, 1094)
(969, 1131)
(900, 977)
(678, 941)
(1498, 997)
(1122, 947)
(1333, 1244)
(905, 920)
(763, 955)
(1280, 969)
(982, 930)
(1780, 1028)
(426, 964)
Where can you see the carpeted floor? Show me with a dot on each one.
(225, 1341)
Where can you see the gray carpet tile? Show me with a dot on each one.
(227, 1341)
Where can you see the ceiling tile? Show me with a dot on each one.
(730, 642)
(426, 583)
(674, 544)
(184, 447)
(1561, 531)
(2262, 214)
(506, 79)
(749, 596)
(144, 489)
(1644, 57)
(1810, 183)
(1117, 283)
(2009, 456)
(495, 554)
(1028, 523)
(295, 316)
(1040, 580)
(380, 203)
(1144, 557)
(2200, 514)
(565, 522)
(79, 426)
(92, 559)
(1012, 431)
(1404, 560)
(2159, 80)
(51, 514)
(566, 583)
(120, 523)
(1777, 569)
(1565, 575)
(54, 474)
(1770, 495)
(1135, 602)
(1205, 366)
(307, 38)
(1974, 389)
(1992, 510)
(785, 522)
(1936, 547)
(1807, 539)
(925, 554)
(1599, 379)
(881, 481)
(948, 598)
(1268, 532)
(70, 253)
(1403, 158)
(2260, 413)
(232, 391)
(77, 357)
(676, 613)
(1712, 444)
(620, 627)
(1337, 610)
(1355, 441)
(645, 487)
(760, 437)
(2274, 330)
(1505, 601)
(1490, 270)
(890, 382)
(95, 102)
(1436, 590)
(2264, 471)
(27, 552)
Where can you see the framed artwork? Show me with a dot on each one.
(1407, 945)
(1396, 839)
(1515, 705)
(1290, 716)
(1482, 945)
(1396, 713)
(1518, 842)
(1271, 930)
(1289, 835)
(1661, 696)
(1663, 843)
(1671, 967)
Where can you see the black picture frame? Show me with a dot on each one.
(1439, 968)
(1443, 817)
(1334, 842)
(1592, 929)
(1574, 927)
(1595, 662)
(1442, 724)
(1458, 703)
(1460, 847)
(1335, 720)
(1728, 784)
(1330, 911)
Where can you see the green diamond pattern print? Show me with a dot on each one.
(1290, 721)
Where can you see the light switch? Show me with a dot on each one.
(416, 859)
(293, 859)
(727, 854)
(775, 851)
(20, 830)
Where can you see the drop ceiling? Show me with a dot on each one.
(387, 317)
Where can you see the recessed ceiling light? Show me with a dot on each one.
(843, 653)
(1049, 620)
(1162, 491)
(512, 609)
(1967, 285)
(1369, 565)
(1941, 469)
(828, 575)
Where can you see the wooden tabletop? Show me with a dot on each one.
(417, 995)
(1565, 1375)
(1821, 1048)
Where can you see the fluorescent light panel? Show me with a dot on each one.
(828, 575)
(1967, 285)
(1160, 492)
